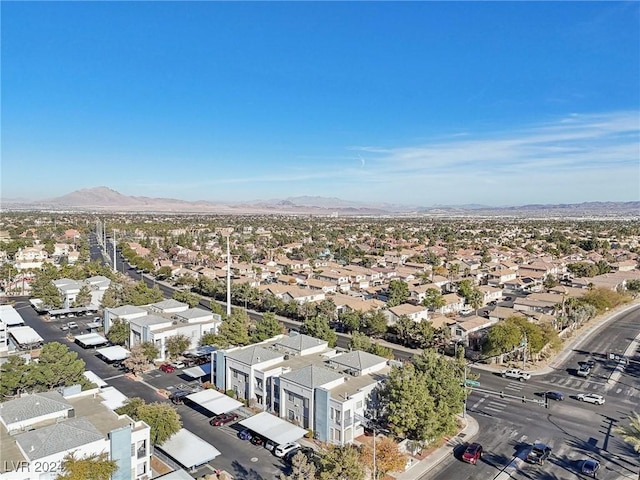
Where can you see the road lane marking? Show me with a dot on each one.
(486, 407)
(475, 405)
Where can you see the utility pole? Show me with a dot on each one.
(374, 453)
(524, 351)
(115, 268)
(228, 278)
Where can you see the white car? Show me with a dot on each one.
(515, 374)
(178, 364)
(282, 450)
(591, 398)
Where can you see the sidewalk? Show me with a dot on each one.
(419, 468)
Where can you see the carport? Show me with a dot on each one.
(198, 371)
(90, 340)
(188, 449)
(214, 401)
(25, 337)
(114, 353)
(91, 326)
(273, 428)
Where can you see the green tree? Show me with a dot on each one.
(190, 298)
(96, 466)
(161, 417)
(14, 374)
(341, 463)
(58, 366)
(301, 468)
(118, 333)
(631, 433)
(406, 403)
(235, 329)
(398, 292)
(318, 327)
(351, 320)
(433, 299)
(444, 378)
(405, 329)
(501, 338)
(163, 273)
(360, 341)
(633, 285)
(130, 407)
(375, 323)
(176, 344)
(549, 282)
(380, 350)
(151, 352)
(83, 298)
(268, 326)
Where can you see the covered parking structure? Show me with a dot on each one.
(198, 371)
(273, 428)
(188, 449)
(114, 353)
(25, 338)
(72, 311)
(214, 401)
(90, 340)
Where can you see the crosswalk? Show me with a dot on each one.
(629, 393)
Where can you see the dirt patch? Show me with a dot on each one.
(159, 466)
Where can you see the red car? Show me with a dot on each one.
(223, 419)
(472, 453)
(167, 368)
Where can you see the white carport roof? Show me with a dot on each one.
(113, 353)
(273, 428)
(198, 371)
(214, 401)
(188, 449)
(25, 335)
(91, 339)
(92, 377)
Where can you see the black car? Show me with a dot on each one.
(538, 454)
(178, 397)
(555, 396)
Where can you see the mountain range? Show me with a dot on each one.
(104, 199)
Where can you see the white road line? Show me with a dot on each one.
(475, 405)
(486, 407)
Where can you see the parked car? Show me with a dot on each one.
(472, 453)
(591, 398)
(178, 365)
(538, 454)
(223, 419)
(590, 467)
(167, 368)
(282, 450)
(257, 440)
(555, 396)
(178, 397)
(245, 434)
(72, 325)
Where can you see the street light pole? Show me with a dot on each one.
(524, 351)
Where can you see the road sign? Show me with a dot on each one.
(472, 383)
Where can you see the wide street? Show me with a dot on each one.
(575, 430)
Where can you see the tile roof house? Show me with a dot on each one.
(417, 313)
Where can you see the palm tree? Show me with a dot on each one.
(631, 433)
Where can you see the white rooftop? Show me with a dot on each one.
(113, 353)
(25, 335)
(188, 449)
(91, 339)
(214, 401)
(274, 428)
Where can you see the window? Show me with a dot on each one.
(259, 399)
(290, 397)
(358, 404)
(291, 415)
(235, 374)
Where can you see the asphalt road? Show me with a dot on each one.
(575, 430)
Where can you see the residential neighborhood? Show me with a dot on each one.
(325, 312)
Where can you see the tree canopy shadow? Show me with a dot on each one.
(241, 473)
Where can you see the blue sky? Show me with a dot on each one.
(417, 103)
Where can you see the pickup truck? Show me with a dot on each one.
(515, 374)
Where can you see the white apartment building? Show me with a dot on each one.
(42, 428)
(303, 381)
